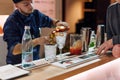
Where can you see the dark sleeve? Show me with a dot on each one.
(112, 28)
(108, 24)
(116, 39)
(11, 34)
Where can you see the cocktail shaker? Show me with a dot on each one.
(86, 31)
(100, 35)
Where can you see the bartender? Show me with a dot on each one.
(13, 29)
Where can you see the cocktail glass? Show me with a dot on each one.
(60, 40)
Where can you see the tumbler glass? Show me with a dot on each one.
(75, 44)
(50, 52)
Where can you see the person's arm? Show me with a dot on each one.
(13, 38)
(109, 43)
(17, 49)
(11, 35)
(108, 24)
(37, 41)
(55, 21)
(112, 24)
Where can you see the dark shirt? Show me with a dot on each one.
(113, 23)
(14, 29)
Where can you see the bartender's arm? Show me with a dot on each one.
(38, 41)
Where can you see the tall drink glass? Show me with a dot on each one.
(75, 44)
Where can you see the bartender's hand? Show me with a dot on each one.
(40, 41)
(37, 41)
(116, 50)
(57, 23)
(60, 23)
(62, 26)
(104, 47)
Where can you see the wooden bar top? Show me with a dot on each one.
(55, 73)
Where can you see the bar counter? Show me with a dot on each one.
(55, 73)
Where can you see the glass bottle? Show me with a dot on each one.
(27, 48)
(92, 43)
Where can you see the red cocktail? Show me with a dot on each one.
(75, 44)
(75, 51)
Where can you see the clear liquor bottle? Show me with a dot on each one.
(27, 48)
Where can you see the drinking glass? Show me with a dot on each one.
(75, 44)
(60, 40)
(50, 52)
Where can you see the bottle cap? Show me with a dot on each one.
(93, 32)
(27, 27)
